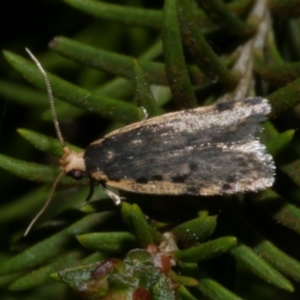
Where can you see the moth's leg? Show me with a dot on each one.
(145, 113)
(114, 197)
(91, 191)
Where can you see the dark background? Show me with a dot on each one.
(33, 24)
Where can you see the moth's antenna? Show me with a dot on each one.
(50, 96)
(59, 135)
(46, 203)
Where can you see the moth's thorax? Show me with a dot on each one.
(71, 161)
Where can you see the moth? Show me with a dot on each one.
(209, 150)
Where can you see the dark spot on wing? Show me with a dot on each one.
(157, 177)
(179, 178)
(240, 163)
(226, 187)
(230, 183)
(225, 106)
(193, 190)
(231, 179)
(142, 180)
(193, 167)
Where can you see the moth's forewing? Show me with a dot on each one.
(203, 151)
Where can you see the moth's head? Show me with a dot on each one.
(72, 164)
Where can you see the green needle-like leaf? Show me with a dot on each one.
(143, 96)
(280, 210)
(280, 142)
(45, 143)
(36, 172)
(23, 94)
(75, 95)
(206, 250)
(196, 230)
(177, 73)
(285, 98)
(198, 48)
(110, 242)
(264, 248)
(221, 14)
(210, 288)
(54, 245)
(258, 266)
(139, 17)
(137, 222)
(41, 276)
